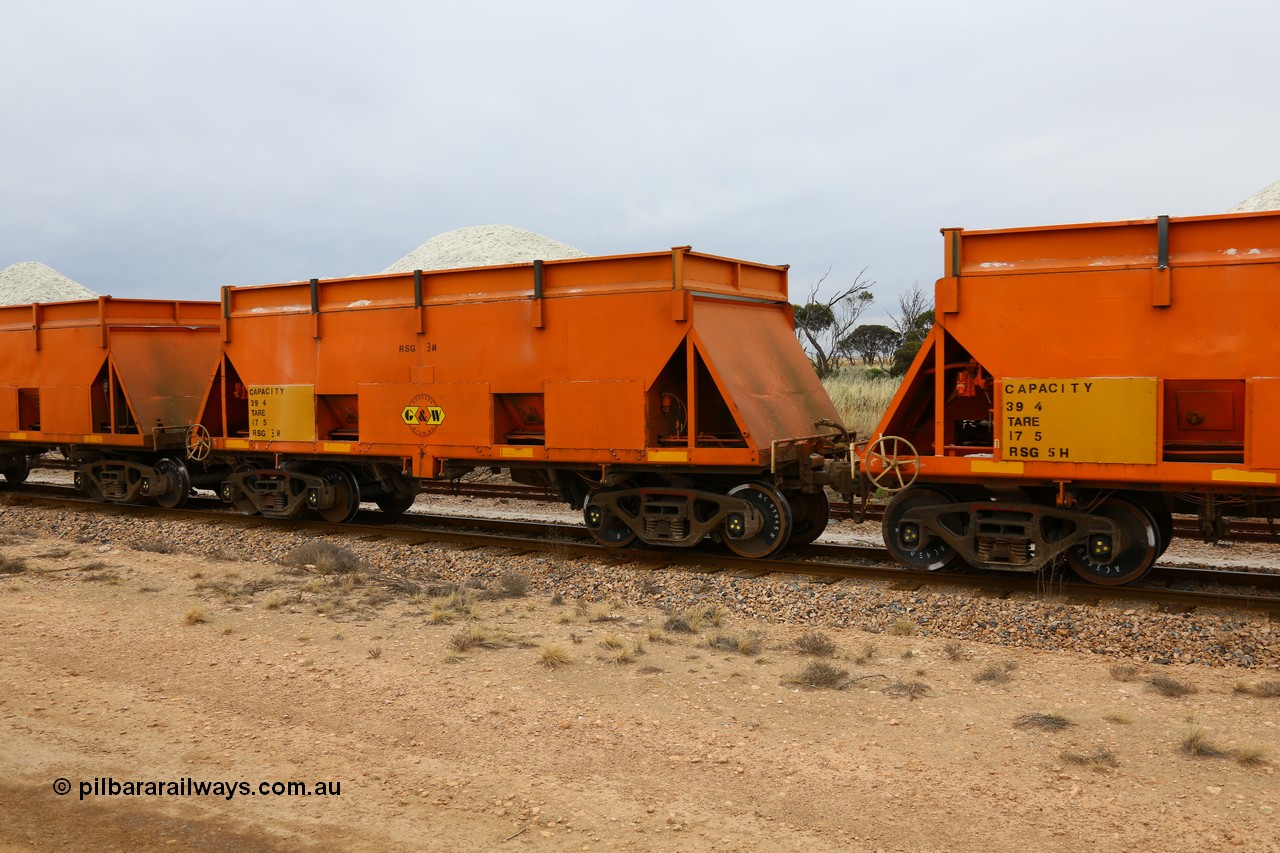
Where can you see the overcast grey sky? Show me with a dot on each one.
(162, 149)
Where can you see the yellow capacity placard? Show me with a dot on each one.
(1086, 419)
(282, 413)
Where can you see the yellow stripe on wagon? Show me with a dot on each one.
(668, 456)
(1231, 475)
(336, 447)
(990, 466)
(516, 452)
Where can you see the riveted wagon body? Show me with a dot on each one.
(665, 392)
(1082, 382)
(113, 383)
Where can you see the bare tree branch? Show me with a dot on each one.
(824, 324)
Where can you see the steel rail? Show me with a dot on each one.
(1167, 585)
(1184, 527)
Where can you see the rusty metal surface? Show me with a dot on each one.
(766, 378)
(151, 353)
(164, 372)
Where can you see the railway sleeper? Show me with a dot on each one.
(1009, 536)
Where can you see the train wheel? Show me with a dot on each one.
(1164, 524)
(346, 500)
(1139, 546)
(394, 504)
(776, 531)
(810, 512)
(605, 526)
(179, 480)
(907, 542)
(16, 469)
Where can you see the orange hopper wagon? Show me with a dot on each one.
(115, 384)
(1080, 384)
(664, 393)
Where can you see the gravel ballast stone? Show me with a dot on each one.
(1143, 633)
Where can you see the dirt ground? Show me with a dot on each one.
(141, 667)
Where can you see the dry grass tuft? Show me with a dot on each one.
(1171, 687)
(616, 650)
(865, 654)
(903, 626)
(458, 604)
(477, 636)
(1250, 756)
(556, 598)
(328, 558)
(619, 656)
(743, 644)
(995, 673)
(612, 642)
(514, 584)
(394, 582)
(1047, 722)
(691, 620)
(1269, 689)
(13, 565)
(1119, 717)
(911, 689)
(860, 398)
(440, 616)
(820, 674)
(1100, 758)
(814, 643)
(196, 616)
(1196, 742)
(1124, 672)
(155, 546)
(374, 652)
(954, 651)
(603, 613)
(554, 656)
